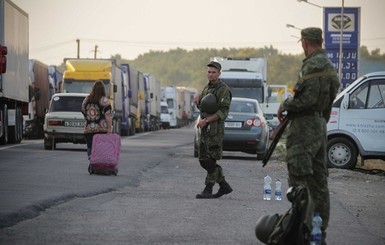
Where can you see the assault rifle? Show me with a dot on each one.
(275, 136)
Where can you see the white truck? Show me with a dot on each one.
(357, 122)
(247, 78)
(276, 94)
(164, 115)
(170, 96)
(14, 46)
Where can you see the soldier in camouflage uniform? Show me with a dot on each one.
(309, 111)
(211, 127)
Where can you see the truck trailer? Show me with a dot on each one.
(130, 89)
(14, 46)
(152, 102)
(40, 95)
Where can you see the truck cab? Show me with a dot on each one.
(357, 122)
(164, 115)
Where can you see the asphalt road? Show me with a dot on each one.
(48, 197)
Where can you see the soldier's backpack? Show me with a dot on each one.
(292, 227)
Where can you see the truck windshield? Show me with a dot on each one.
(164, 110)
(246, 88)
(251, 93)
(82, 86)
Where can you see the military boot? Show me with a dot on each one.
(206, 193)
(224, 188)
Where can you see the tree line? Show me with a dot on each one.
(180, 67)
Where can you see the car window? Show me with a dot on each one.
(377, 95)
(67, 103)
(369, 95)
(358, 98)
(243, 106)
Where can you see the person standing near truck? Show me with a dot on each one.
(309, 111)
(214, 103)
(96, 109)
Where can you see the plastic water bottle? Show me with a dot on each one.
(316, 233)
(278, 190)
(267, 188)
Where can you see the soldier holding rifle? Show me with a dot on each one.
(309, 111)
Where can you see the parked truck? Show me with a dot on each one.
(80, 75)
(55, 79)
(152, 102)
(14, 45)
(276, 94)
(247, 78)
(130, 97)
(141, 118)
(40, 95)
(164, 115)
(186, 105)
(170, 96)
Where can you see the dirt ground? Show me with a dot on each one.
(371, 164)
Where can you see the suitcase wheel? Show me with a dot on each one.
(90, 170)
(115, 172)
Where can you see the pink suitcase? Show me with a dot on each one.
(105, 154)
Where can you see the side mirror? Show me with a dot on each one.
(115, 88)
(129, 94)
(345, 101)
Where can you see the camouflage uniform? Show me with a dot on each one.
(213, 133)
(309, 112)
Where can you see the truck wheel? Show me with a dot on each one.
(341, 153)
(4, 138)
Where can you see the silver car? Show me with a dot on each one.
(246, 129)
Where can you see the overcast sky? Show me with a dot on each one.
(134, 27)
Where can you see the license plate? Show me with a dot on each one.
(233, 124)
(73, 124)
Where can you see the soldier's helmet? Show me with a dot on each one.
(209, 104)
(265, 226)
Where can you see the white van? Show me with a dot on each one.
(357, 122)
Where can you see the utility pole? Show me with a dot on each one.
(78, 51)
(96, 50)
(341, 41)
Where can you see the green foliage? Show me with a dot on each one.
(179, 67)
(375, 55)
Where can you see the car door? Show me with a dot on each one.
(365, 115)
